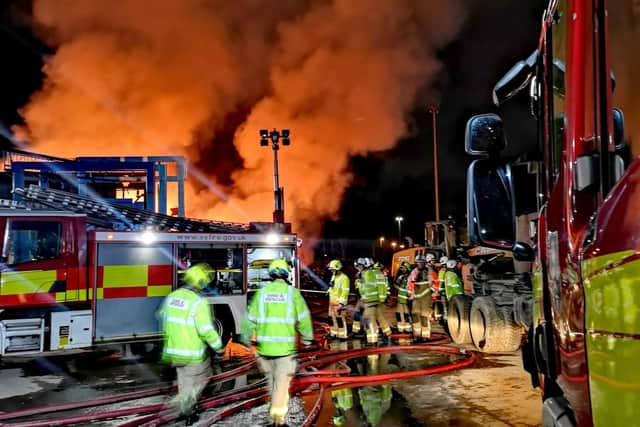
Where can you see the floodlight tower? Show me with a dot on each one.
(278, 192)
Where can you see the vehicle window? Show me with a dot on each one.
(226, 267)
(29, 241)
(258, 260)
(493, 204)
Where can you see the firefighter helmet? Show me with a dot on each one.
(444, 259)
(198, 276)
(378, 265)
(451, 264)
(368, 262)
(279, 268)
(335, 265)
(430, 257)
(406, 265)
(421, 258)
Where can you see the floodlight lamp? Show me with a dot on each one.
(264, 142)
(285, 133)
(286, 141)
(272, 238)
(274, 135)
(147, 237)
(264, 133)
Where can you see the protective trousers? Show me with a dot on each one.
(421, 313)
(338, 321)
(374, 318)
(192, 379)
(403, 317)
(279, 372)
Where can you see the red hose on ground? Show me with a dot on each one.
(120, 397)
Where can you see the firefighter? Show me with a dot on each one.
(338, 295)
(452, 283)
(420, 293)
(403, 313)
(440, 305)
(188, 330)
(276, 311)
(373, 293)
(356, 327)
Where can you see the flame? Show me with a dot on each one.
(162, 80)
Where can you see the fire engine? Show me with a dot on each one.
(78, 272)
(584, 339)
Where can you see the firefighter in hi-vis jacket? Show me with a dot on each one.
(188, 330)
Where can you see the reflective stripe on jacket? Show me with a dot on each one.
(276, 311)
(373, 287)
(441, 274)
(187, 323)
(401, 286)
(339, 291)
(453, 284)
(419, 282)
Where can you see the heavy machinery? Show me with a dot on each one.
(584, 338)
(78, 271)
(497, 289)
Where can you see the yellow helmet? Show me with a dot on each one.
(406, 265)
(199, 275)
(279, 268)
(335, 265)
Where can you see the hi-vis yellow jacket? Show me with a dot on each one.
(339, 290)
(188, 327)
(276, 311)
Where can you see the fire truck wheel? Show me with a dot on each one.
(491, 330)
(458, 319)
(224, 323)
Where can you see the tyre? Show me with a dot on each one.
(223, 323)
(458, 319)
(492, 329)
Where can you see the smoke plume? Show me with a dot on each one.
(138, 78)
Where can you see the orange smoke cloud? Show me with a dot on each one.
(141, 80)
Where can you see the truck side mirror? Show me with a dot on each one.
(523, 252)
(490, 204)
(516, 79)
(484, 135)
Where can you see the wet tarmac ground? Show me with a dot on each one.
(495, 391)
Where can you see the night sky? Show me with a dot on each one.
(400, 182)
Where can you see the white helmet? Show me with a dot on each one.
(420, 258)
(451, 264)
(359, 261)
(368, 262)
(444, 259)
(430, 257)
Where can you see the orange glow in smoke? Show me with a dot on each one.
(140, 80)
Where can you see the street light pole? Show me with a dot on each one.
(278, 192)
(434, 112)
(399, 219)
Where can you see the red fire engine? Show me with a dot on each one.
(583, 344)
(77, 272)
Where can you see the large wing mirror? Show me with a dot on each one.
(484, 135)
(516, 79)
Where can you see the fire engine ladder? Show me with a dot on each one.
(113, 216)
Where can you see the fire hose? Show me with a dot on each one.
(312, 371)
